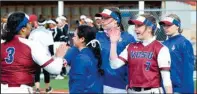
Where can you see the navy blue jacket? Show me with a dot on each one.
(182, 63)
(83, 75)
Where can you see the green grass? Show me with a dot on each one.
(56, 84)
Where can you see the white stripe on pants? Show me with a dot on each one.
(151, 91)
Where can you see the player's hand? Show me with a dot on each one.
(61, 50)
(114, 34)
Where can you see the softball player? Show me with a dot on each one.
(19, 54)
(148, 60)
(44, 37)
(115, 80)
(85, 75)
(182, 55)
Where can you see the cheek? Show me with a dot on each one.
(170, 30)
(139, 30)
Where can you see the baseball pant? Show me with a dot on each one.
(22, 89)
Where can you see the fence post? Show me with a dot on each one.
(60, 8)
(141, 7)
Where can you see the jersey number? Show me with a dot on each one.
(10, 58)
(148, 65)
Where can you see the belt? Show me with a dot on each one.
(139, 88)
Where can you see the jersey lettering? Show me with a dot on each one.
(148, 64)
(10, 58)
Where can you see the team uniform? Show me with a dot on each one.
(71, 54)
(182, 65)
(145, 61)
(43, 36)
(84, 76)
(115, 80)
(19, 60)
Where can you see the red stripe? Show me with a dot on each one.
(165, 68)
(47, 63)
(121, 58)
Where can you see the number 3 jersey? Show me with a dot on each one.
(17, 61)
(144, 64)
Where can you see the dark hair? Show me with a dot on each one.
(14, 20)
(54, 21)
(178, 19)
(89, 34)
(151, 18)
(97, 15)
(117, 11)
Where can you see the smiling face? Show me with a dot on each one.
(77, 41)
(142, 31)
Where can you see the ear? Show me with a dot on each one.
(115, 23)
(177, 28)
(82, 39)
(149, 29)
(23, 29)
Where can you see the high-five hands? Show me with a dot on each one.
(61, 50)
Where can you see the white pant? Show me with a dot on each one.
(21, 89)
(108, 89)
(151, 91)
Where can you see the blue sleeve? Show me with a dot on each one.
(71, 54)
(79, 75)
(126, 39)
(188, 68)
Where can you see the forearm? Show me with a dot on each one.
(113, 53)
(55, 66)
(167, 81)
(168, 89)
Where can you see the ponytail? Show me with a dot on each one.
(7, 35)
(180, 30)
(94, 45)
(16, 21)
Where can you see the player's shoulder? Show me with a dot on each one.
(39, 31)
(29, 43)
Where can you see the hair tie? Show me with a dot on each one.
(93, 43)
